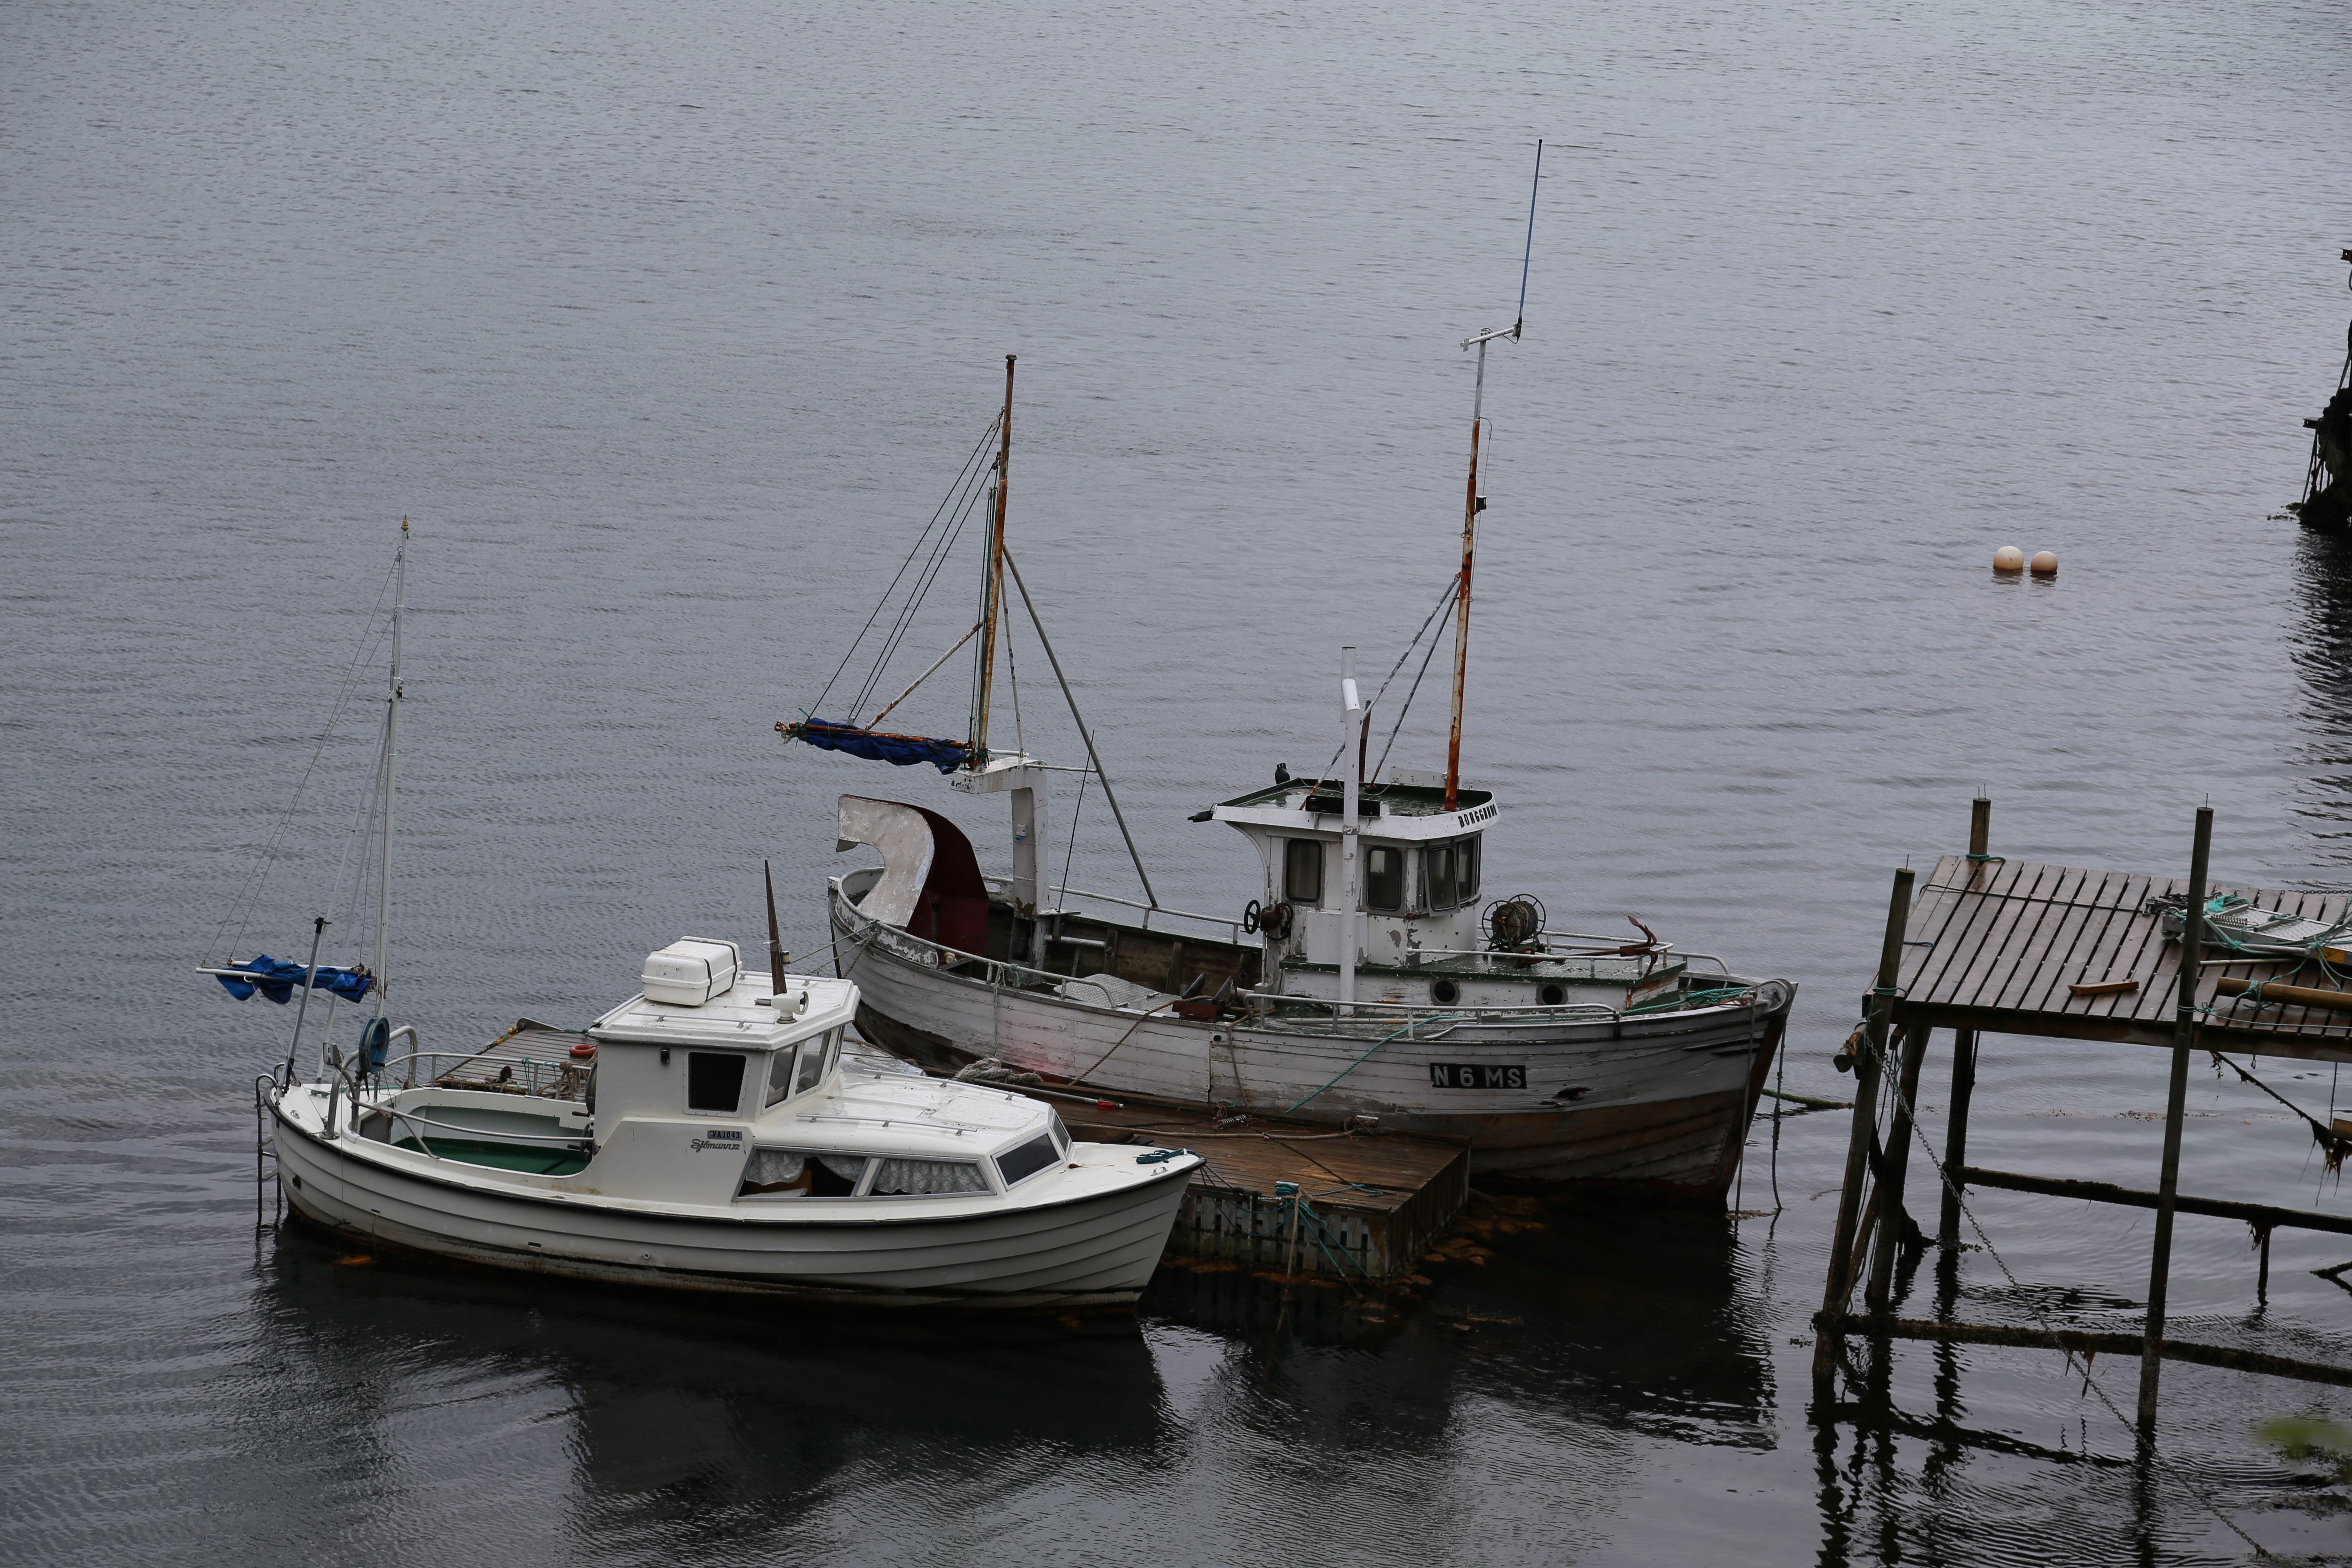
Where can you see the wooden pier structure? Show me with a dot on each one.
(1293, 1199)
(1992, 946)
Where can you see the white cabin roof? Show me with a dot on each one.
(736, 1018)
(1395, 812)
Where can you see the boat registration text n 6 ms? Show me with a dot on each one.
(1474, 1074)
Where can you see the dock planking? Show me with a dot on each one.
(1373, 1202)
(1996, 945)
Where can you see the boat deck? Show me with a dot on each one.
(531, 1058)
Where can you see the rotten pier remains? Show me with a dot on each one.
(1989, 946)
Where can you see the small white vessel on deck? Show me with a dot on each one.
(723, 1144)
(708, 1133)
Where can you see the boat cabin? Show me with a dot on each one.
(1418, 875)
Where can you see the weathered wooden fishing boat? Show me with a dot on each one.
(1373, 979)
(705, 1134)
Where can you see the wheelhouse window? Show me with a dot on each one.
(714, 1081)
(1384, 879)
(816, 1056)
(1302, 870)
(1437, 876)
(1016, 1165)
(1450, 873)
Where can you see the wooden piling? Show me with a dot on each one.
(1956, 1137)
(1963, 1061)
(2168, 1190)
(1865, 1116)
(1896, 1165)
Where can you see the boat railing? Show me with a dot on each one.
(1597, 1011)
(348, 1085)
(1232, 926)
(1004, 974)
(1662, 948)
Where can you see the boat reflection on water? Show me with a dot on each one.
(698, 1401)
(675, 1417)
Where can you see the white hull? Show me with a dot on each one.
(1092, 1241)
(1658, 1099)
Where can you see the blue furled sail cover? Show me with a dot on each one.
(874, 746)
(277, 980)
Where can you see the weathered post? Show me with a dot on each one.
(1891, 1221)
(2168, 1190)
(1956, 1137)
(1857, 1154)
(1964, 1062)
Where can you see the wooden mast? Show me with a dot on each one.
(1472, 506)
(1462, 598)
(995, 593)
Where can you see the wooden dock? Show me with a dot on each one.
(1364, 1208)
(2062, 952)
(2000, 946)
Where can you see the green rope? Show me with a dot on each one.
(1340, 1261)
(1383, 1040)
(1693, 999)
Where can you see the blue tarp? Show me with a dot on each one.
(277, 980)
(900, 751)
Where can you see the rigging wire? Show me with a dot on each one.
(247, 898)
(954, 489)
(1452, 586)
(1397, 728)
(942, 553)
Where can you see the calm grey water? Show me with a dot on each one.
(668, 326)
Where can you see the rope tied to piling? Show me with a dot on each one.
(2334, 1146)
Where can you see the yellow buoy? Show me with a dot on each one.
(2009, 558)
(2044, 563)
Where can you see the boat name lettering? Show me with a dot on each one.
(1475, 813)
(1475, 1075)
(720, 1138)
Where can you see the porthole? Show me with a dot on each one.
(1446, 994)
(1552, 995)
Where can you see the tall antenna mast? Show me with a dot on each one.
(1472, 504)
(390, 755)
(993, 594)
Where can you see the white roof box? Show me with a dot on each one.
(691, 970)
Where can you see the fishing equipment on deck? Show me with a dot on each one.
(2236, 924)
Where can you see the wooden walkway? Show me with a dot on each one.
(1997, 945)
(1367, 1207)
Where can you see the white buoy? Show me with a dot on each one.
(2009, 558)
(2044, 563)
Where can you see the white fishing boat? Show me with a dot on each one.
(708, 1133)
(1371, 977)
